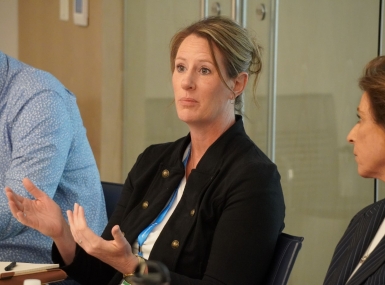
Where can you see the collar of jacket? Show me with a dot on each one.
(216, 150)
(159, 189)
(371, 222)
(364, 227)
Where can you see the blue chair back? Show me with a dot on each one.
(112, 193)
(285, 254)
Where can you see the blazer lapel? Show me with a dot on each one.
(371, 224)
(354, 244)
(375, 260)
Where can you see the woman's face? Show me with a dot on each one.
(368, 139)
(201, 97)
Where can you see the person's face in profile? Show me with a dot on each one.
(368, 139)
(200, 95)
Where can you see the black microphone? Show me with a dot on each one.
(158, 274)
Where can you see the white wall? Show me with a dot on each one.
(9, 27)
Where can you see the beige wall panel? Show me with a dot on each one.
(8, 28)
(112, 92)
(71, 53)
(88, 61)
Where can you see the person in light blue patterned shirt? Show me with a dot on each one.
(42, 137)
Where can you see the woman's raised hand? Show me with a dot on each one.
(117, 252)
(41, 214)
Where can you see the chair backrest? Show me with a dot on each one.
(285, 254)
(112, 193)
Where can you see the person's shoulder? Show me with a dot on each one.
(248, 153)
(31, 80)
(159, 147)
(160, 153)
(164, 147)
(371, 209)
(44, 80)
(249, 161)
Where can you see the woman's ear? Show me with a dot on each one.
(240, 83)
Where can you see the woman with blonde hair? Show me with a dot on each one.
(209, 206)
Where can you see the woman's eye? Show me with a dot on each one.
(180, 68)
(205, 71)
(359, 118)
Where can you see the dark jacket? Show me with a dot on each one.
(353, 245)
(224, 229)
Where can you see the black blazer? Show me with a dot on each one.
(223, 230)
(352, 247)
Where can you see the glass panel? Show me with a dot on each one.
(149, 113)
(322, 49)
(255, 105)
(381, 189)
(219, 8)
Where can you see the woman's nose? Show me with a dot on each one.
(188, 81)
(351, 135)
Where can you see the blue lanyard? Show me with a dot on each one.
(145, 233)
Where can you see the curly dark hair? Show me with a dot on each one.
(373, 83)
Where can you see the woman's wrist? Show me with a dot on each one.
(66, 245)
(142, 266)
(139, 268)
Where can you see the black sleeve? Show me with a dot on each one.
(247, 231)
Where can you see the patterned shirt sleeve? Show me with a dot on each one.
(42, 137)
(40, 133)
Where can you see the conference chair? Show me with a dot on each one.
(285, 254)
(112, 193)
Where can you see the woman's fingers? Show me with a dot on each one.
(79, 228)
(118, 236)
(14, 198)
(71, 223)
(73, 227)
(15, 205)
(31, 188)
(113, 252)
(41, 213)
(79, 219)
